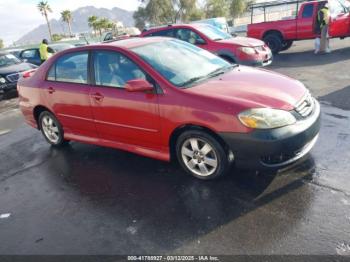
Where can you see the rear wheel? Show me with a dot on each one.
(51, 129)
(274, 41)
(286, 45)
(201, 155)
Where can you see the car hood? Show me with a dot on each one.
(16, 68)
(253, 88)
(242, 41)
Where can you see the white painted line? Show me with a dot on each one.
(3, 216)
(3, 132)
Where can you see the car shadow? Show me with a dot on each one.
(339, 98)
(170, 207)
(308, 58)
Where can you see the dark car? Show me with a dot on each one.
(32, 55)
(15, 52)
(11, 69)
(166, 99)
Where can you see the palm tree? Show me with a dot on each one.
(101, 25)
(44, 9)
(104, 23)
(92, 20)
(66, 16)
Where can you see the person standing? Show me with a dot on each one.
(44, 50)
(323, 19)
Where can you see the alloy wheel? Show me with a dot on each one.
(50, 129)
(199, 157)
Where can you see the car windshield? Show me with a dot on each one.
(213, 33)
(338, 7)
(8, 60)
(346, 4)
(181, 63)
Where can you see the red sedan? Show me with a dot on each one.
(165, 98)
(240, 50)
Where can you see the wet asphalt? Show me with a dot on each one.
(85, 199)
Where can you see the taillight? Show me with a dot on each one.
(28, 73)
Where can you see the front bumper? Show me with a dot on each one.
(275, 148)
(7, 87)
(258, 63)
(262, 58)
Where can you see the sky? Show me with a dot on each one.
(17, 17)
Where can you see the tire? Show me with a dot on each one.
(201, 155)
(286, 45)
(51, 129)
(229, 59)
(274, 41)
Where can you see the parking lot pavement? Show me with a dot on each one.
(85, 199)
(323, 74)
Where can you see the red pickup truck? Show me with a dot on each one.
(279, 35)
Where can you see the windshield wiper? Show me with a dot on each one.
(193, 80)
(218, 39)
(222, 70)
(215, 73)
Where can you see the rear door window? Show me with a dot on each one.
(308, 11)
(70, 68)
(32, 53)
(165, 33)
(188, 35)
(51, 76)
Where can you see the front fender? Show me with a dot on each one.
(228, 53)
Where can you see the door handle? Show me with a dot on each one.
(98, 97)
(51, 90)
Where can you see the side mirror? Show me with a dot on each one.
(138, 85)
(200, 42)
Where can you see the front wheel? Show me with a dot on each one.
(201, 155)
(51, 129)
(228, 59)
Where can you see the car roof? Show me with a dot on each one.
(161, 28)
(13, 49)
(50, 45)
(33, 48)
(122, 44)
(133, 42)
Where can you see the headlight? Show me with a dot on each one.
(266, 118)
(2, 80)
(248, 50)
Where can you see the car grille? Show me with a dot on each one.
(13, 77)
(305, 106)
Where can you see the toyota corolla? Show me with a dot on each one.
(167, 99)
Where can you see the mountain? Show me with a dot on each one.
(79, 24)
